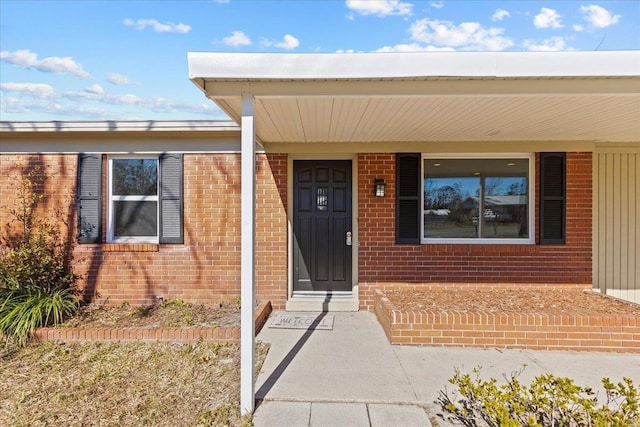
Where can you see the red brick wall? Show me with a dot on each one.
(382, 261)
(206, 268)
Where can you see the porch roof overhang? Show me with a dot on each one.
(429, 96)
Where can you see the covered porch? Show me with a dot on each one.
(368, 108)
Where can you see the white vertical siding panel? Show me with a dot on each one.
(609, 212)
(634, 229)
(619, 214)
(599, 252)
(616, 249)
(595, 240)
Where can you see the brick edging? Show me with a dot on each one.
(615, 333)
(185, 335)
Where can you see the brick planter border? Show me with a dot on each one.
(185, 335)
(614, 333)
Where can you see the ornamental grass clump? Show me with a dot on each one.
(548, 401)
(37, 282)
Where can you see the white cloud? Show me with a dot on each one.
(500, 14)
(552, 44)
(289, 42)
(37, 90)
(77, 105)
(466, 36)
(577, 28)
(54, 64)
(380, 8)
(125, 99)
(237, 38)
(598, 16)
(547, 18)
(158, 105)
(436, 4)
(22, 106)
(163, 105)
(158, 27)
(413, 47)
(96, 89)
(119, 79)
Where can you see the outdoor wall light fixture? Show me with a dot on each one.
(379, 187)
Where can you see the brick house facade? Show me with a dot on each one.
(361, 113)
(385, 263)
(206, 267)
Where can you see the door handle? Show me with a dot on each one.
(348, 238)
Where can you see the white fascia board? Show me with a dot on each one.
(274, 66)
(121, 126)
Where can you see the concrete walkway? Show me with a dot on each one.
(352, 376)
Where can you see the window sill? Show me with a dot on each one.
(130, 247)
(478, 242)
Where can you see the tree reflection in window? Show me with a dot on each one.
(135, 177)
(476, 198)
(133, 213)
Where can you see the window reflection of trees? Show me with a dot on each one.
(499, 202)
(135, 177)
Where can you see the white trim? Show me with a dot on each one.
(399, 65)
(247, 254)
(111, 198)
(484, 241)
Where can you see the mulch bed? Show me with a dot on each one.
(172, 314)
(508, 300)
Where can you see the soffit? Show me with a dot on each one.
(477, 105)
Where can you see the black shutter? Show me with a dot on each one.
(408, 198)
(552, 198)
(89, 188)
(171, 207)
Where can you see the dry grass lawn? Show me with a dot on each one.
(93, 384)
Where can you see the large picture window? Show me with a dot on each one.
(133, 199)
(477, 200)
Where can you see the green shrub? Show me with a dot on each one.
(547, 401)
(37, 282)
(26, 306)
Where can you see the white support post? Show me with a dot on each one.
(247, 258)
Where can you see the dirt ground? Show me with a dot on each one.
(170, 314)
(539, 301)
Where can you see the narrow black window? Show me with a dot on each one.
(408, 198)
(89, 192)
(552, 198)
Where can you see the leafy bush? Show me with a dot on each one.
(26, 306)
(547, 401)
(37, 282)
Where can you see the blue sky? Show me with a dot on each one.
(127, 60)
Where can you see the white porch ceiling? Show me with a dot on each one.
(599, 105)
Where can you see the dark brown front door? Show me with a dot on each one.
(322, 225)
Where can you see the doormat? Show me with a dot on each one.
(298, 321)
